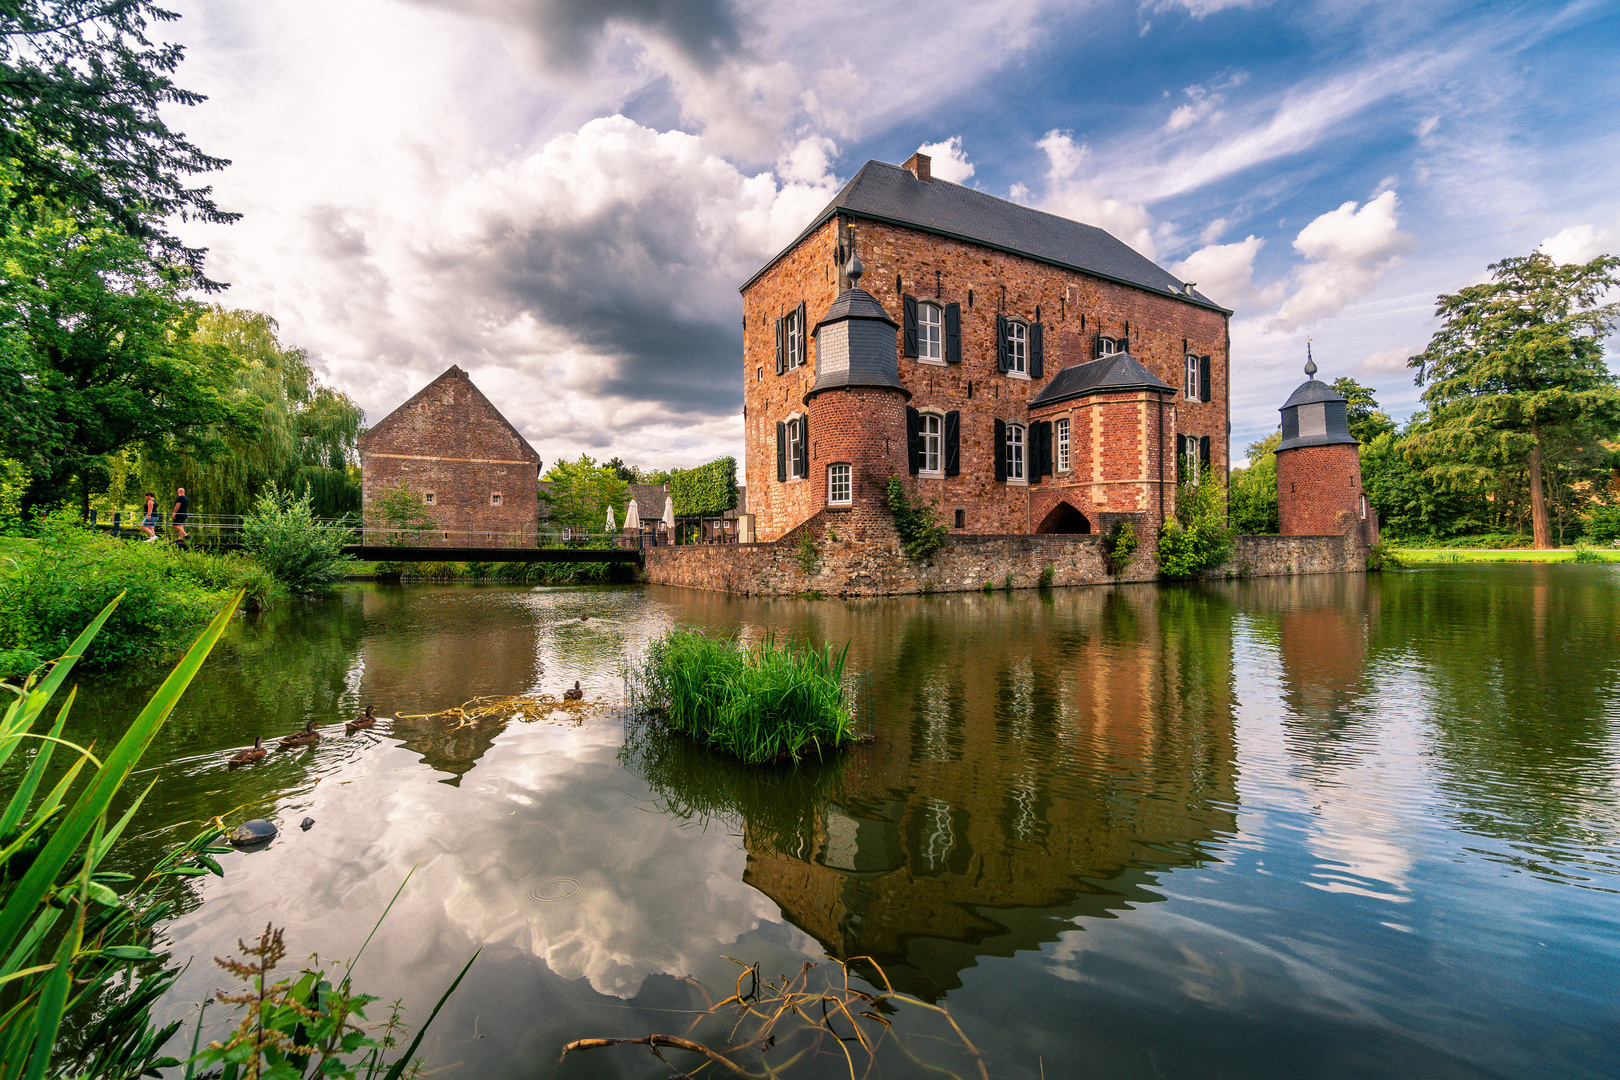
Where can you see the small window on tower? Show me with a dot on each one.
(494, 498)
(961, 519)
(838, 486)
(428, 498)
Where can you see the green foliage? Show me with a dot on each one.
(97, 353)
(402, 513)
(806, 553)
(1198, 537)
(921, 531)
(69, 937)
(13, 482)
(620, 469)
(761, 704)
(52, 587)
(1120, 545)
(1383, 555)
(706, 491)
(1516, 381)
(84, 97)
(1585, 553)
(1007, 582)
(1254, 489)
(1048, 574)
(580, 494)
(1367, 421)
(284, 537)
(1603, 523)
(303, 435)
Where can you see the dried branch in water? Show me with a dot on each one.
(524, 708)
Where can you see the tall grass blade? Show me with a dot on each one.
(36, 771)
(399, 1066)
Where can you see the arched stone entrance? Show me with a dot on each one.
(1064, 519)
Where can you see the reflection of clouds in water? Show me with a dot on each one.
(653, 898)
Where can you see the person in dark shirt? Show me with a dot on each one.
(178, 518)
(149, 517)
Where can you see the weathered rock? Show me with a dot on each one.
(252, 833)
(307, 824)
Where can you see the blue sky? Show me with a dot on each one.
(562, 195)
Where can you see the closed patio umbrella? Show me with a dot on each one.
(612, 523)
(669, 513)
(632, 517)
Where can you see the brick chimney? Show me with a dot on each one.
(918, 165)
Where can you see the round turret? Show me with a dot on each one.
(1319, 490)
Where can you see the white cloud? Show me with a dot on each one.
(1426, 128)
(1349, 249)
(1578, 244)
(1225, 274)
(1200, 9)
(1388, 361)
(1072, 192)
(949, 160)
(1203, 103)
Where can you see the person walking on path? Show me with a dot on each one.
(149, 518)
(178, 517)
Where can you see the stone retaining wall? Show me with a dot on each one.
(840, 564)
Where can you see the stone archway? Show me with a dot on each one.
(1064, 519)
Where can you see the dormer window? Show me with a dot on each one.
(1107, 346)
(930, 333)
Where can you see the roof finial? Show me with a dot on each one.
(1310, 365)
(853, 269)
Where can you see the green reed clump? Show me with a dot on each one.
(767, 702)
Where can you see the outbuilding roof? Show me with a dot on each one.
(890, 194)
(1112, 374)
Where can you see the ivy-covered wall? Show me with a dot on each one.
(706, 490)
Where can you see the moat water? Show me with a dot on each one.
(1321, 827)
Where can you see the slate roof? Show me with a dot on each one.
(1115, 373)
(888, 193)
(1308, 393)
(855, 304)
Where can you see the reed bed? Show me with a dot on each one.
(765, 703)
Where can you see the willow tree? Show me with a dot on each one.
(1515, 376)
(304, 439)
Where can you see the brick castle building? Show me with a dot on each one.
(454, 448)
(1024, 372)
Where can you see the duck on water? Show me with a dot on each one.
(308, 737)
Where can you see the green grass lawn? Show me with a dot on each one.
(1421, 556)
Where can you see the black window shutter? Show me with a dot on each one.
(1001, 343)
(1181, 459)
(1046, 448)
(804, 445)
(913, 440)
(908, 336)
(953, 333)
(781, 347)
(1037, 362)
(1203, 449)
(953, 443)
(1203, 378)
(1000, 450)
(804, 338)
(781, 452)
(1096, 345)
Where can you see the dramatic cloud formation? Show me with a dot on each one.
(1072, 191)
(1578, 244)
(947, 160)
(1349, 249)
(1225, 274)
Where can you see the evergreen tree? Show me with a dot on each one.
(1367, 421)
(1516, 371)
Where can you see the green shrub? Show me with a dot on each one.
(1382, 556)
(706, 491)
(1198, 538)
(1603, 524)
(1586, 553)
(1048, 573)
(1007, 582)
(765, 703)
(921, 531)
(51, 588)
(283, 536)
(403, 515)
(1119, 545)
(806, 552)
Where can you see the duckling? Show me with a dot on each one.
(248, 757)
(307, 737)
(363, 721)
(575, 694)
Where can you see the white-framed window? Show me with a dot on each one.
(494, 498)
(838, 485)
(1363, 507)
(930, 333)
(930, 439)
(794, 333)
(1107, 346)
(1017, 348)
(795, 437)
(1015, 452)
(1192, 465)
(1191, 392)
(428, 498)
(1061, 431)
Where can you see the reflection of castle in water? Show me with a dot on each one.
(1057, 757)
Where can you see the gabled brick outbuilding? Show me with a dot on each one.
(979, 364)
(452, 446)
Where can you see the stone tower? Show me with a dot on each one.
(856, 409)
(1319, 490)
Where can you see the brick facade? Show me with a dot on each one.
(1319, 493)
(1124, 446)
(450, 442)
